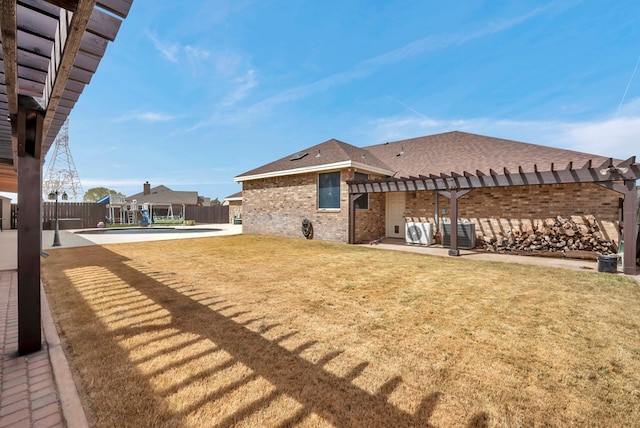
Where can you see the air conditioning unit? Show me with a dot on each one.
(466, 235)
(418, 233)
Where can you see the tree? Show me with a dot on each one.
(96, 193)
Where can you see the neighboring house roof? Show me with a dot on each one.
(235, 197)
(460, 151)
(435, 154)
(162, 194)
(331, 154)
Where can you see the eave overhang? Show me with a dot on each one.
(317, 168)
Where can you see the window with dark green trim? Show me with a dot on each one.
(329, 190)
(362, 203)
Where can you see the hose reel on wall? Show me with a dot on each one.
(307, 228)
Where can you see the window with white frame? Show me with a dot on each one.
(329, 190)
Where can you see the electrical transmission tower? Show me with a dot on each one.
(62, 174)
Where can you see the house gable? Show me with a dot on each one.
(165, 195)
(330, 155)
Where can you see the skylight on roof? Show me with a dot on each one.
(298, 155)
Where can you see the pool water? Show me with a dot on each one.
(145, 230)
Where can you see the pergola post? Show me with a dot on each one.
(352, 216)
(630, 225)
(453, 199)
(453, 196)
(29, 132)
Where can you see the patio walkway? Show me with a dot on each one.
(29, 396)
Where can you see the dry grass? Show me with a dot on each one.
(257, 331)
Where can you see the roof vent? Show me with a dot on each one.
(298, 155)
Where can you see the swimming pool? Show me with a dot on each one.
(145, 230)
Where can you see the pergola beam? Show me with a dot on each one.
(71, 28)
(8, 31)
(454, 185)
(70, 5)
(607, 172)
(9, 28)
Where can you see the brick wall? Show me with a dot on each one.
(370, 224)
(235, 210)
(277, 206)
(498, 209)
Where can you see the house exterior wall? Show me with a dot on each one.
(235, 210)
(277, 206)
(370, 223)
(496, 210)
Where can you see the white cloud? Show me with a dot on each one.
(148, 116)
(227, 63)
(196, 53)
(242, 87)
(177, 53)
(612, 138)
(169, 51)
(369, 66)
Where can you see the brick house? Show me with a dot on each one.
(234, 202)
(165, 195)
(352, 194)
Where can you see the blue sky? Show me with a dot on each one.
(190, 97)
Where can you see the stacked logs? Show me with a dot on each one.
(553, 235)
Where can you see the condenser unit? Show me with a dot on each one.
(466, 235)
(418, 233)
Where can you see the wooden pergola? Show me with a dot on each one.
(618, 176)
(50, 50)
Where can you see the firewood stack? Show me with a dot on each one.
(576, 234)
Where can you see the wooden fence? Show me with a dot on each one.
(212, 214)
(81, 215)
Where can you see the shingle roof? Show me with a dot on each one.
(460, 151)
(434, 154)
(329, 153)
(162, 194)
(237, 195)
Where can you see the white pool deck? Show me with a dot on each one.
(70, 238)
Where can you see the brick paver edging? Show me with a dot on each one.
(69, 401)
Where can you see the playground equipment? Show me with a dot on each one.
(119, 211)
(162, 213)
(146, 221)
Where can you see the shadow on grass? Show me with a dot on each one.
(156, 296)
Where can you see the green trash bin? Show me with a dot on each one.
(607, 263)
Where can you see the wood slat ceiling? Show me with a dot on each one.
(54, 47)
